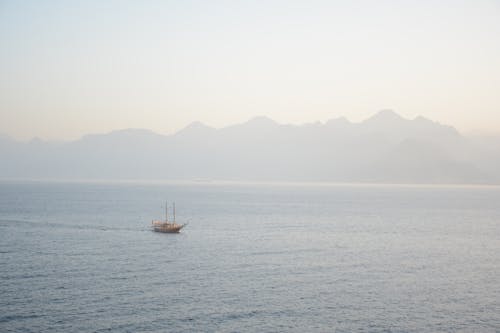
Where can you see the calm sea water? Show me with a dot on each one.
(79, 257)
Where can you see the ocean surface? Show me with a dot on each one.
(80, 257)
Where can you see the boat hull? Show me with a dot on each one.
(168, 230)
(167, 227)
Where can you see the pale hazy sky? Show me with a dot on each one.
(69, 68)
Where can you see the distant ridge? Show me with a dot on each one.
(385, 148)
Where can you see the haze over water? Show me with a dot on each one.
(249, 114)
(254, 258)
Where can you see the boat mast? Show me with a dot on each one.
(166, 211)
(174, 212)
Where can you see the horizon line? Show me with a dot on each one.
(223, 182)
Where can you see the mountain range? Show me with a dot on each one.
(385, 148)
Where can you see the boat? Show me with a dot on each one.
(167, 226)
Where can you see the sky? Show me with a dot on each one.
(69, 68)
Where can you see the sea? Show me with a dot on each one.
(261, 257)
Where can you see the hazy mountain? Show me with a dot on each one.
(383, 148)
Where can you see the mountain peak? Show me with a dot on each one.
(195, 127)
(261, 120)
(385, 115)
